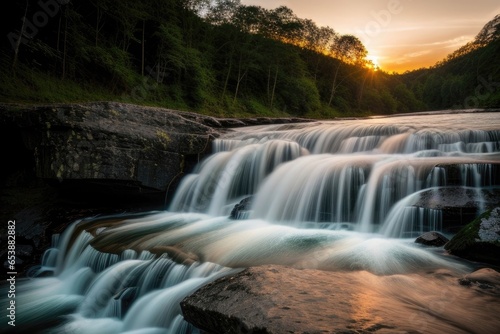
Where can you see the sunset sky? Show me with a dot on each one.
(400, 34)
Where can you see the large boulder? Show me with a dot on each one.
(479, 240)
(277, 299)
(118, 145)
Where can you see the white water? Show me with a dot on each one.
(329, 195)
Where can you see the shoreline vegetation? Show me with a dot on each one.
(225, 59)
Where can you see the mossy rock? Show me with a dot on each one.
(479, 240)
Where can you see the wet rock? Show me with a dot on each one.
(457, 198)
(274, 299)
(241, 209)
(458, 205)
(484, 275)
(449, 197)
(277, 299)
(433, 238)
(485, 279)
(479, 240)
(175, 254)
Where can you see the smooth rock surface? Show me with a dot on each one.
(433, 238)
(277, 299)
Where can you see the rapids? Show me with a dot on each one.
(335, 196)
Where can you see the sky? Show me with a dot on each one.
(399, 35)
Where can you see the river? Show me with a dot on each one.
(331, 195)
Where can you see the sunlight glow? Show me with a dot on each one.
(373, 62)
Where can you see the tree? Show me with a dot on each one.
(317, 41)
(348, 49)
(20, 37)
(283, 25)
(249, 18)
(222, 11)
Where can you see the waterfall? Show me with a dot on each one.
(336, 195)
(227, 176)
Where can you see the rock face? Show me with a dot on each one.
(113, 145)
(479, 240)
(109, 143)
(433, 238)
(277, 299)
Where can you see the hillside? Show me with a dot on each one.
(222, 58)
(467, 78)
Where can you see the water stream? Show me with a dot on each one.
(335, 196)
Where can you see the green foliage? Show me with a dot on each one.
(224, 58)
(406, 100)
(198, 79)
(300, 96)
(33, 86)
(111, 64)
(343, 105)
(388, 102)
(468, 78)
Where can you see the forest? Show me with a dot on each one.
(223, 58)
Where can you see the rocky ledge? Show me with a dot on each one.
(124, 146)
(277, 299)
(114, 146)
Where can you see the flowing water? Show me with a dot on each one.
(335, 196)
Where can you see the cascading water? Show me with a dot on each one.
(337, 195)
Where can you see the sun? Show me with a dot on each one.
(373, 62)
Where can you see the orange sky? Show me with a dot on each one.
(401, 34)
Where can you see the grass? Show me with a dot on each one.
(30, 86)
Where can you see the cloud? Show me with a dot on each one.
(457, 41)
(452, 42)
(416, 54)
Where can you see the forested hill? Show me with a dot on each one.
(220, 57)
(467, 78)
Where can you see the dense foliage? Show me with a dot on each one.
(220, 57)
(467, 78)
